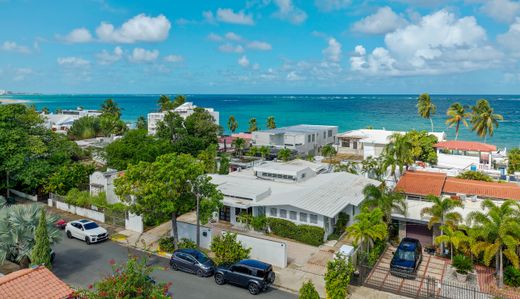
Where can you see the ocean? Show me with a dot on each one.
(391, 112)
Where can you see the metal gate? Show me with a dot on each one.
(116, 218)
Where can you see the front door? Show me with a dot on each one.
(225, 213)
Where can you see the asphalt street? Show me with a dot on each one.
(80, 265)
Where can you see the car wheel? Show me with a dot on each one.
(87, 239)
(69, 235)
(200, 273)
(219, 279)
(253, 289)
(174, 266)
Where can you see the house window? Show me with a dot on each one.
(283, 213)
(303, 217)
(309, 138)
(324, 135)
(354, 145)
(346, 143)
(330, 133)
(313, 219)
(273, 212)
(292, 215)
(313, 137)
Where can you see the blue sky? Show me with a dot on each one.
(260, 46)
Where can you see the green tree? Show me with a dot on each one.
(483, 119)
(384, 199)
(475, 175)
(328, 151)
(457, 114)
(284, 154)
(369, 227)
(178, 100)
(224, 165)
(111, 124)
(252, 125)
(141, 123)
(425, 107)
(498, 233)
(45, 110)
(264, 151)
(374, 168)
(253, 151)
(41, 252)
(513, 163)
(165, 104)
(308, 291)
(442, 212)
(238, 144)
(110, 107)
(85, 127)
(73, 175)
(232, 124)
(208, 158)
(161, 188)
(349, 166)
(228, 250)
(270, 124)
(397, 154)
(421, 146)
(337, 277)
(451, 236)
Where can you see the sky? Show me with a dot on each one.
(260, 46)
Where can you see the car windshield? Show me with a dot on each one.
(90, 225)
(406, 255)
(201, 257)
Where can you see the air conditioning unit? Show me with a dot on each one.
(461, 196)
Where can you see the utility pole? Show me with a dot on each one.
(195, 191)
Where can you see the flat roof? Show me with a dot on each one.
(290, 166)
(380, 136)
(298, 129)
(466, 146)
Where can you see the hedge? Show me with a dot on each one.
(307, 234)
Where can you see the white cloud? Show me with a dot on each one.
(333, 51)
(141, 55)
(105, 57)
(230, 48)
(173, 58)
(140, 28)
(501, 10)
(330, 5)
(511, 39)
(383, 21)
(72, 61)
(209, 17)
(227, 15)
(288, 11)
(293, 76)
(14, 47)
(259, 45)
(78, 35)
(233, 36)
(215, 37)
(243, 61)
(22, 73)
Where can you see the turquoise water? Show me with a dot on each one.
(393, 112)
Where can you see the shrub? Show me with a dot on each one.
(341, 223)
(462, 263)
(307, 291)
(337, 278)
(228, 250)
(187, 243)
(307, 234)
(512, 276)
(166, 244)
(475, 175)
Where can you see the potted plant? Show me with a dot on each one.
(463, 265)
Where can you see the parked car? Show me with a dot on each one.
(86, 230)
(407, 258)
(60, 224)
(193, 261)
(254, 275)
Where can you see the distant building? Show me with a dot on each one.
(36, 282)
(104, 182)
(61, 122)
(183, 110)
(370, 143)
(304, 139)
(465, 155)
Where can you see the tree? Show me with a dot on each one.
(141, 123)
(232, 124)
(483, 119)
(224, 165)
(165, 104)
(178, 100)
(111, 125)
(253, 151)
(421, 146)
(368, 228)
(337, 277)
(384, 199)
(498, 233)
(252, 125)
(68, 176)
(128, 280)
(475, 175)
(308, 291)
(328, 151)
(85, 127)
(264, 151)
(349, 166)
(41, 252)
(110, 107)
(238, 144)
(425, 107)
(457, 114)
(270, 124)
(161, 188)
(45, 110)
(398, 154)
(451, 236)
(374, 168)
(228, 250)
(208, 158)
(441, 212)
(513, 163)
(284, 154)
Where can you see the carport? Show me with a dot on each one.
(420, 232)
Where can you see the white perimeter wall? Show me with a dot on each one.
(189, 231)
(272, 252)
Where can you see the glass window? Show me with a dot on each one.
(283, 213)
(314, 219)
(313, 137)
(309, 138)
(330, 133)
(90, 225)
(303, 217)
(292, 215)
(324, 136)
(242, 270)
(273, 212)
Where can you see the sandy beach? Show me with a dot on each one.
(11, 101)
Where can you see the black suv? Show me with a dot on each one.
(192, 260)
(407, 258)
(257, 276)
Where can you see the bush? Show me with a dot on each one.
(341, 224)
(307, 291)
(337, 278)
(187, 243)
(462, 263)
(166, 244)
(307, 234)
(512, 276)
(475, 175)
(228, 250)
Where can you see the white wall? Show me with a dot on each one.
(24, 195)
(298, 211)
(98, 216)
(268, 251)
(189, 231)
(456, 161)
(134, 223)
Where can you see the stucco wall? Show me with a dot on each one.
(189, 231)
(268, 251)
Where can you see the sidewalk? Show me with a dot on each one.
(148, 240)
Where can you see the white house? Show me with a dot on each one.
(369, 142)
(183, 110)
(305, 139)
(465, 155)
(62, 121)
(297, 191)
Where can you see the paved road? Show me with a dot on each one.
(79, 265)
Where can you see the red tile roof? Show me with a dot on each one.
(466, 146)
(495, 190)
(421, 183)
(32, 283)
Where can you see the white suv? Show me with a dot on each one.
(86, 230)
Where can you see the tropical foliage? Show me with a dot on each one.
(457, 114)
(483, 119)
(368, 228)
(442, 211)
(475, 175)
(513, 157)
(238, 144)
(224, 165)
(270, 123)
(337, 277)
(252, 125)
(349, 166)
(462, 264)
(451, 236)
(308, 291)
(166, 104)
(228, 250)
(425, 107)
(308, 234)
(41, 252)
(284, 154)
(384, 199)
(141, 123)
(232, 124)
(74, 175)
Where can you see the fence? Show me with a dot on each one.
(58, 202)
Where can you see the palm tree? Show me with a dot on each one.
(374, 168)
(141, 123)
(483, 119)
(368, 228)
(232, 124)
(349, 166)
(253, 151)
(457, 114)
(441, 212)
(109, 106)
(425, 107)
(498, 233)
(252, 125)
(45, 110)
(238, 144)
(178, 100)
(264, 151)
(398, 153)
(452, 236)
(165, 104)
(329, 151)
(271, 123)
(284, 154)
(386, 200)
